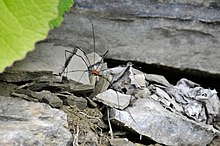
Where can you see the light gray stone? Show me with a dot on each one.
(121, 142)
(51, 57)
(200, 104)
(181, 34)
(29, 123)
(114, 99)
(158, 79)
(151, 119)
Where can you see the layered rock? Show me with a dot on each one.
(29, 123)
(180, 34)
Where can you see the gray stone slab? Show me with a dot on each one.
(150, 119)
(51, 57)
(114, 99)
(29, 123)
(183, 34)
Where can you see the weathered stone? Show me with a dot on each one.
(180, 34)
(44, 86)
(29, 123)
(126, 82)
(72, 100)
(114, 99)
(80, 102)
(54, 83)
(6, 89)
(200, 104)
(158, 79)
(49, 79)
(24, 96)
(27, 95)
(80, 89)
(49, 57)
(168, 102)
(151, 119)
(143, 93)
(43, 96)
(121, 142)
(91, 103)
(50, 98)
(102, 85)
(13, 75)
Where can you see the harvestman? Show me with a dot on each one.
(93, 69)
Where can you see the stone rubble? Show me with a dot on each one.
(149, 118)
(200, 104)
(157, 109)
(146, 104)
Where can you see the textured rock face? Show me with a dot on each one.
(50, 57)
(181, 34)
(28, 123)
(150, 119)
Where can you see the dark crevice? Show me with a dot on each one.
(205, 79)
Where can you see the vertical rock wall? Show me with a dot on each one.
(180, 34)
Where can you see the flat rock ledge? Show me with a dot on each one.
(29, 123)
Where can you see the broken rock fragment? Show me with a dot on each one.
(149, 118)
(114, 99)
(43, 96)
(127, 79)
(30, 123)
(170, 119)
(121, 142)
(72, 100)
(50, 98)
(200, 104)
(13, 75)
(158, 79)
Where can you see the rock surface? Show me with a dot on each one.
(181, 34)
(51, 57)
(28, 123)
(121, 142)
(150, 119)
(114, 99)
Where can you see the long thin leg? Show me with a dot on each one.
(93, 32)
(109, 124)
(83, 60)
(67, 60)
(101, 61)
(77, 83)
(84, 53)
(72, 71)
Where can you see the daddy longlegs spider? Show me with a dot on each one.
(93, 69)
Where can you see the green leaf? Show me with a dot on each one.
(64, 6)
(22, 23)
